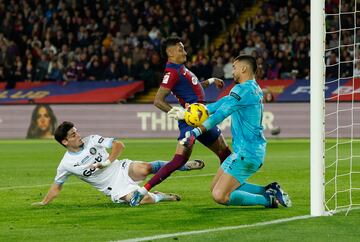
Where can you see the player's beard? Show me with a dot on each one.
(184, 60)
(235, 79)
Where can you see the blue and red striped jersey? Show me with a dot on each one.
(183, 84)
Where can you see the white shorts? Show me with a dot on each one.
(122, 183)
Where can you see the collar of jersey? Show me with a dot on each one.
(171, 64)
(75, 153)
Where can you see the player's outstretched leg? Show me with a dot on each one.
(194, 165)
(281, 196)
(161, 196)
(190, 165)
(156, 197)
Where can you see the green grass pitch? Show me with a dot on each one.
(81, 213)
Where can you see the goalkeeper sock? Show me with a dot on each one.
(157, 165)
(251, 188)
(177, 162)
(241, 198)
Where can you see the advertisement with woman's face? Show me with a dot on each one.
(43, 123)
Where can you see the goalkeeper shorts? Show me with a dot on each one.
(241, 167)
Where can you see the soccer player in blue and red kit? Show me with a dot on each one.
(187, 88)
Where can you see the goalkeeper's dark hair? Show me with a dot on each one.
(170, 41)
(250, 60)
(62, 131)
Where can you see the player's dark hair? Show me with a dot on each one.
(62, 130)
(170, 41)
(248, 59)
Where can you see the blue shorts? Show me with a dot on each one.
(208, 138)
(241, 167)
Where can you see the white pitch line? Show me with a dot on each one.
(32, 186)
(163, 236)
(74, 183)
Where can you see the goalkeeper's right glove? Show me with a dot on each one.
(176, 113)
(190, 137)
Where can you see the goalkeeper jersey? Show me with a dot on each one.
(244, 104)
(78, 164)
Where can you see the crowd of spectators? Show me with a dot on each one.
(76, 40)
(342, 39)
(278, 36)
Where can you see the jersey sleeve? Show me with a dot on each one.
(212, 107)
(225, 107)
(61, 175)
(171, 77)
(100, 141)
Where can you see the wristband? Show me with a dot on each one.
(105, 163)
(197, 132)
(211, 80)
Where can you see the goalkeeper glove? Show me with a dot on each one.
(190, 137)
(176, 113)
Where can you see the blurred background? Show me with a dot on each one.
(98, 64)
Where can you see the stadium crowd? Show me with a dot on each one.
(69, 40)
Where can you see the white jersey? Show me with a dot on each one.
(79, 163)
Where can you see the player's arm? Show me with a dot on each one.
(230, 105)
(177, 113)
(170, 79)
(212, 107)
(218, 82)
(160, 102)
(52, 193)
(117, 147)
(116, 150)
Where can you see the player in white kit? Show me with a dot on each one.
(88, 160)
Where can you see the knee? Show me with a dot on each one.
(147, 169)
(143, 169)
(220, 197)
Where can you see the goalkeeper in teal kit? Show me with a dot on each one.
(244, 104)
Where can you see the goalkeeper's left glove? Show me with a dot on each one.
(176, 113)
(190, 137)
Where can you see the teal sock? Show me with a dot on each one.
(241, 198)
(158, 164)
(251, 188)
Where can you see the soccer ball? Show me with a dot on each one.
(196, 114)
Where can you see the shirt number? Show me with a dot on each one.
(166, 78)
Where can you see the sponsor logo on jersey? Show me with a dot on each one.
(234, 95)
(89, 172)
(85, 159)
(92, 151)
(194, 80)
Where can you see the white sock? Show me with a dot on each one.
(156, 197)
(143, 190)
